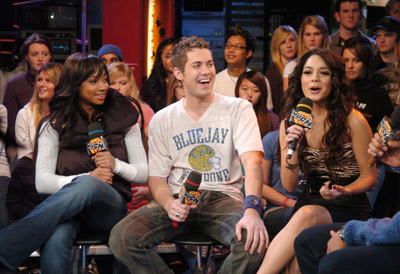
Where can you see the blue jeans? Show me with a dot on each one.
(85, 202)
(217, 214)
(310, 247)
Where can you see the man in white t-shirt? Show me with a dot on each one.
(211, 134)
(239, 49)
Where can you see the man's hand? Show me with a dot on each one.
(177, 211)
(257, 236)
(103, 174)
(388, 154)
(335, 243)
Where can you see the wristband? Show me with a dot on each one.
(284, 204)
(254, 202)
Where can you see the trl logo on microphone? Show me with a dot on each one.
(95, 145)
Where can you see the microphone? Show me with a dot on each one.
(300, 116)
(387, 130)
(189, 193)
(96, 140)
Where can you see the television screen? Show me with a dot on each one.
(62, 17)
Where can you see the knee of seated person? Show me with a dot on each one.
(308, 216)
(119, 239)
(86, 183)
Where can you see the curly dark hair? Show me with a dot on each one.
(341, 101)
(66, 101)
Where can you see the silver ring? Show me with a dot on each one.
(178, 215)
(287, 132)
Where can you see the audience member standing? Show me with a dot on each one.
(313, 34)
(88, 192)
(283, 50)
(387, 32)
(110, 54)
(22, 195)
(154, 89)
(122, 80)
(251, 87)
(36, 51)
(239, 48)
(372, 102)
(175, 90)
(392, 8)
(348, 14)
(29, 116)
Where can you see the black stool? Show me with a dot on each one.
(199, 240)
(84, 239)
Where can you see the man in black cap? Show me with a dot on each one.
(387, 37)
(110, 54)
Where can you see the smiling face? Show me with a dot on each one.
(199, 75)
(38, 55)
(93, 92)
(45, 87)
(235, 51)
(250, 92)
(122, 85)
(355, 69)
(316, 79)
(288, 47)
(312, 38)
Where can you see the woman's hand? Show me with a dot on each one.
(295, 132)
(140, 193)
(335, 192)
(104, 174)
(104, 159)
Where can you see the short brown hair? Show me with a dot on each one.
(179, 53)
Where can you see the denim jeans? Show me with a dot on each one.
(216, 215)
(4, 181)
(310, 247)
(85, 202)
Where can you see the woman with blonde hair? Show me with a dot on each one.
(313, 34)
(283, 50)
(29, 116)
(175, 91)
(122, 80)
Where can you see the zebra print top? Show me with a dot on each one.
(315, 168)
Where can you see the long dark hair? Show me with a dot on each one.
(340, 103)
(263, 116)
(156, 84)
(66, 101)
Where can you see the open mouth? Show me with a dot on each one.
(315, 89)
(204, 81)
